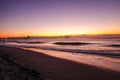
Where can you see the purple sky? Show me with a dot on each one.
(59, 17)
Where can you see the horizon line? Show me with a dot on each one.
(58, 35)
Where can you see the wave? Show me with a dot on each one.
(29, 42)
(72, 49)
(107, 53)
(71, 43)
(114, 45)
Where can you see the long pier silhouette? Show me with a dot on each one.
(10, 39)
(19, 38)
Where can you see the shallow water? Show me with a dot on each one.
(98, 61)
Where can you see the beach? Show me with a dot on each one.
(51, 68)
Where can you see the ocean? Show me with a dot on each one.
(104, 53)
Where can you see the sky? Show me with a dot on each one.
(58, 17)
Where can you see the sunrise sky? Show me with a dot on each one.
(59, 17)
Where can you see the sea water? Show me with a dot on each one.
(98, 53)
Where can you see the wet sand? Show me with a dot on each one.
(51, 68)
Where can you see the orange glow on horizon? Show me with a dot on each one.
(55, 34)
(59, 18)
